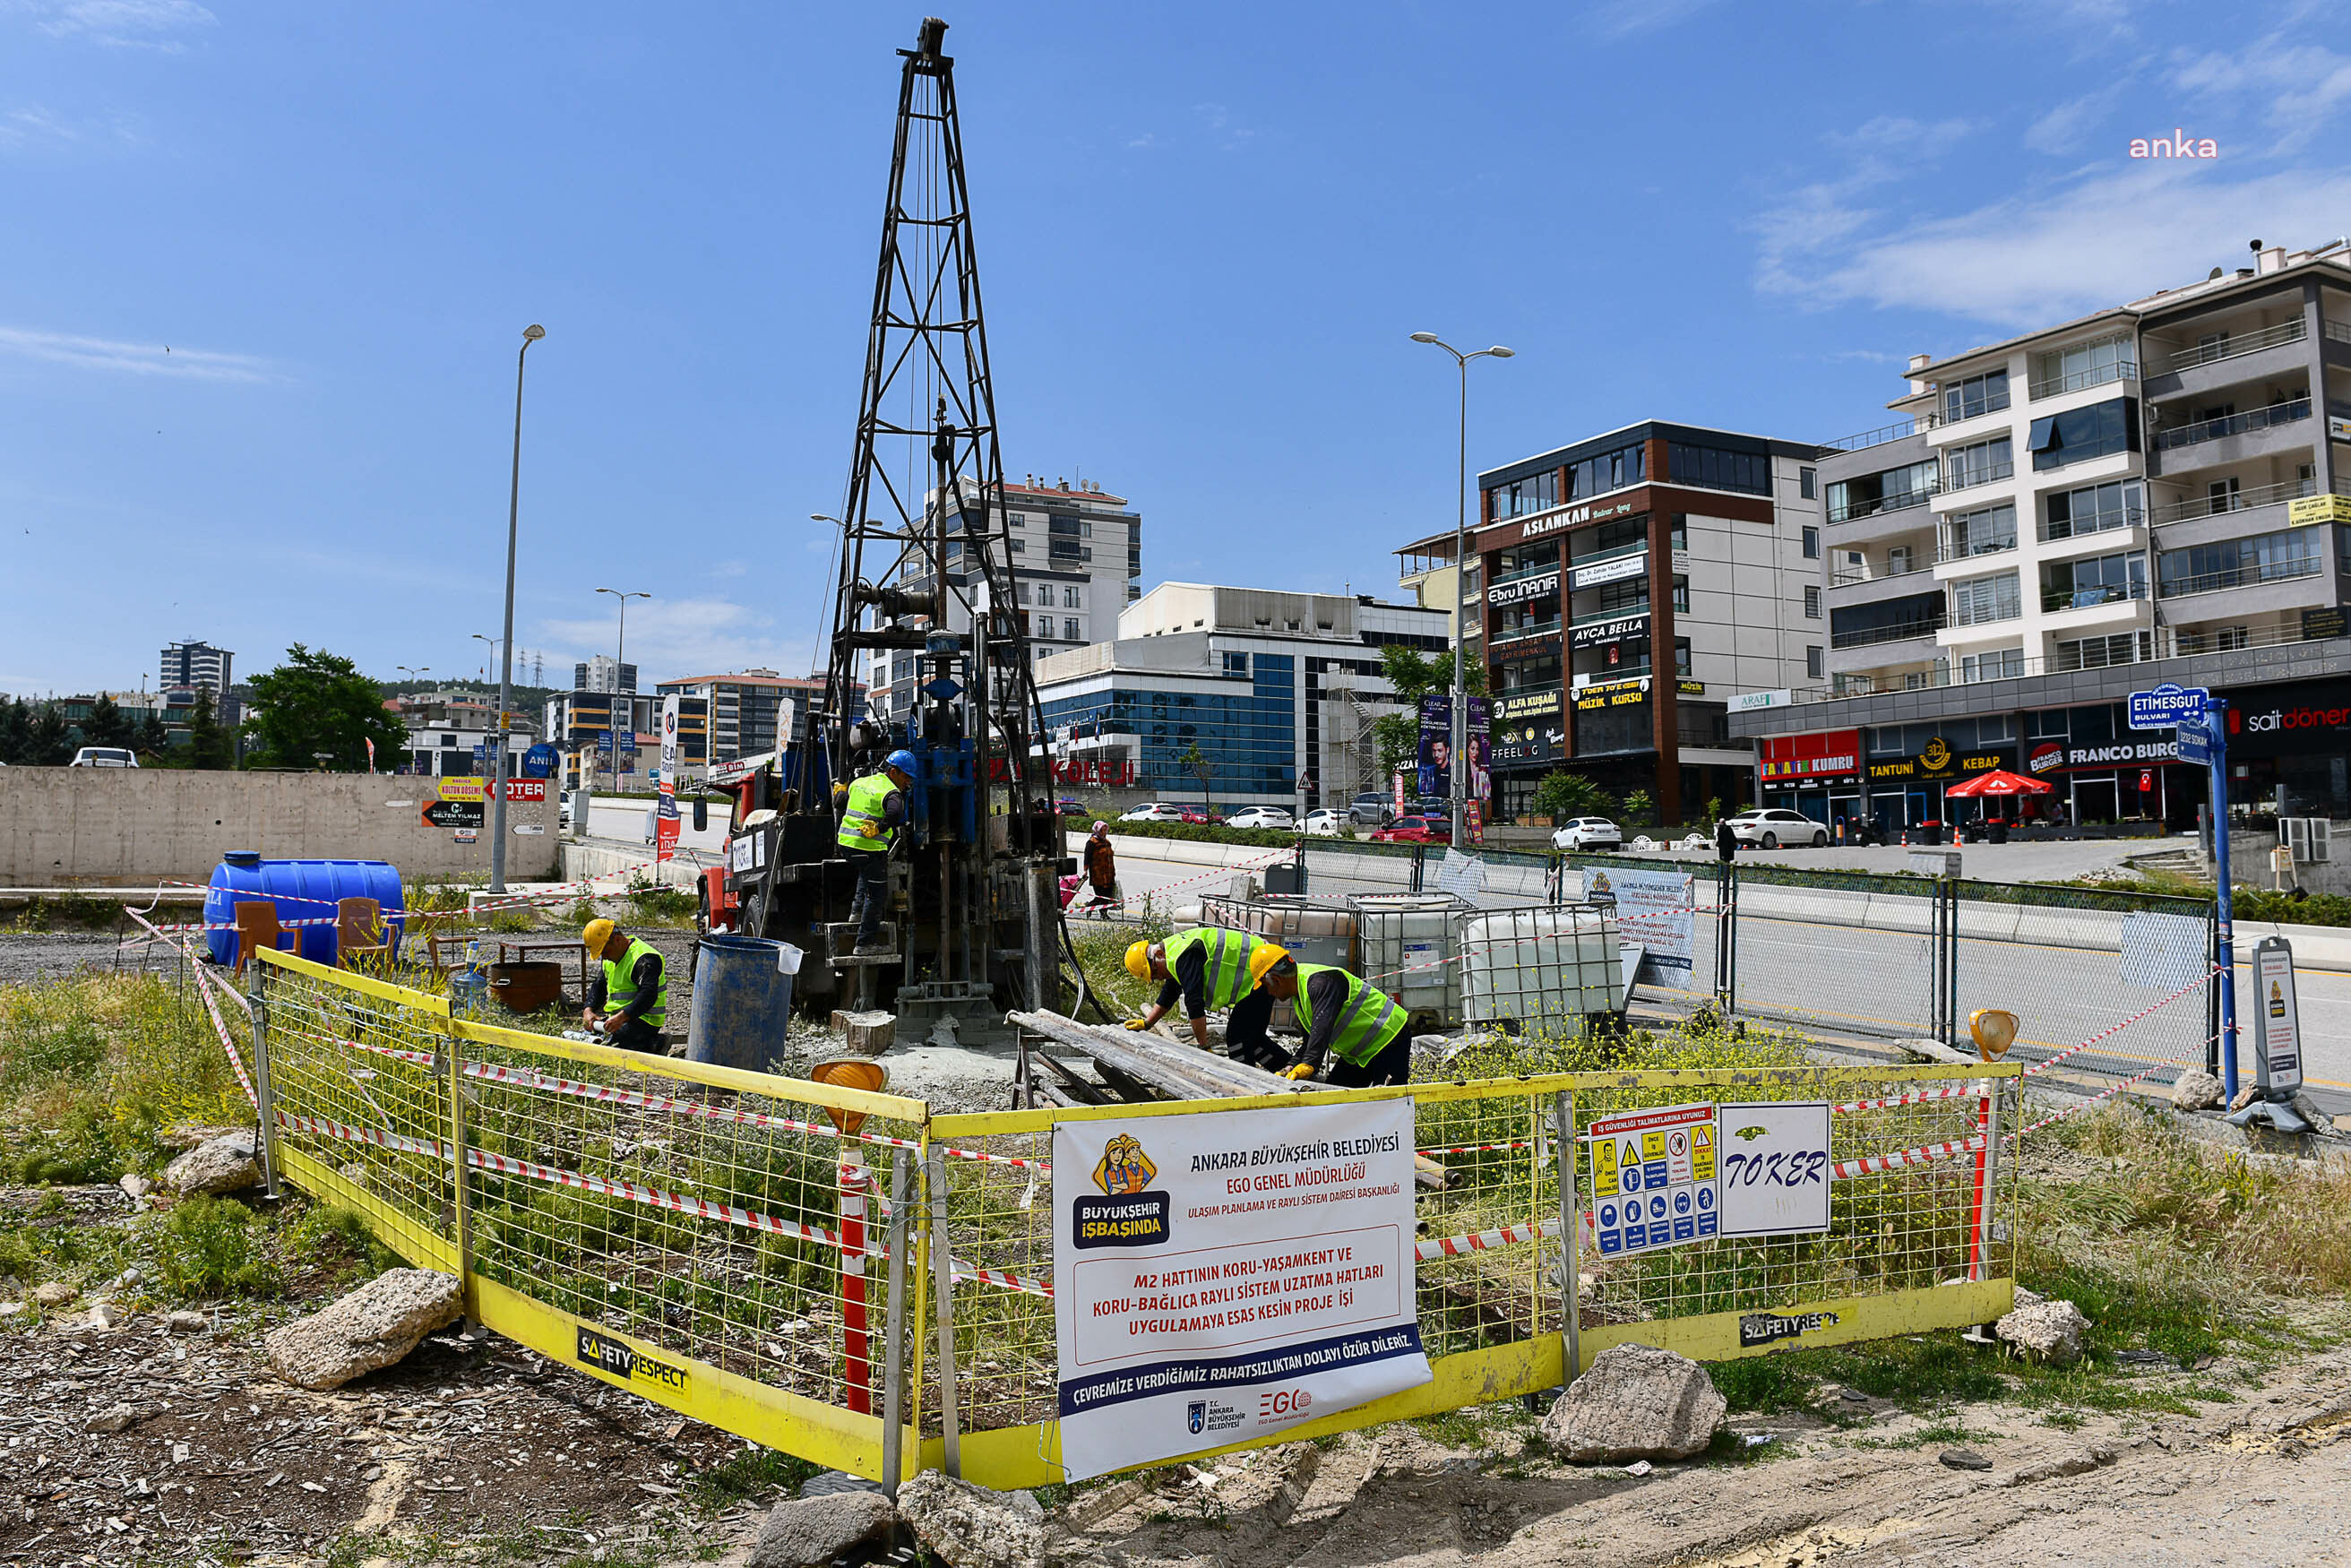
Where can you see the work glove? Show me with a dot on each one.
(1303, 1069)
(1135, 1023)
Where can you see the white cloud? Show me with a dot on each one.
(2029, 260)
(2065, 128)
(1614, 19)
(34, 129)
(669, 638)
(122, 24)
(2297, 86)
(137, 358)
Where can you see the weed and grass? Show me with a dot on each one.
(71, 911)
(752, 1472)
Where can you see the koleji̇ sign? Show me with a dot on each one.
(1225, 1275)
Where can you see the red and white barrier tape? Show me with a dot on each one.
(1950, 1091)
(965, 1274)
(2195, 985)
(2118, 1087)
(220, 1028)
(1878, 1165)
(431, 1148)
(1478, 1241)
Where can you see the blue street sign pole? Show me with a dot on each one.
(2216, 728)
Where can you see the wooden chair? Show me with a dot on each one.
(359, 930)
(256, 927)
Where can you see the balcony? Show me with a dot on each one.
(2203, 430)
(1875, 636)
(1947, 551)
(2234, 344)
(2096, 523)
(2243, 577)
(2081, 381)
(1531, 628)
(1919, 425)
(2053, 600)
(1621, 612)
(1516, 573)
(2234, 501)
(1854, 576)
(1980, 474)
(1856, 510)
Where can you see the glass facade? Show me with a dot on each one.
(1249, 734)
(1713, 468)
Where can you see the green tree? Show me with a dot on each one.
(1564, 794)
(1640, 808)
(211, 746)
(48, 741)
(16, 731)
(1201, 767)
(319, 703)
(106, 725)
(1415, 675)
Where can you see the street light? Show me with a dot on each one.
(1460, 569)
(620, 654)
(531, 334)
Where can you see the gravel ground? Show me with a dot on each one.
(29, 956)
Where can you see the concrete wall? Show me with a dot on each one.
(115, 826)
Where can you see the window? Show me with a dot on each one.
(1980, 463)
(2216, 640)
(1979, 600)
(1981, 532)
(1068, 596)
(1886, 621)
(2079, 435)
(1630, 593)
(2094, 508)
(1044, 626)
(1873, 493)
(1044, 593)
(1986, 393)
(1236, 664)
(2082, 365)
(1812, 602)
(2233, 563)
(1681, 593)
(1811, 536)
(1713, 468)
(1062, 525)
(1535, 493)
(2097, 652)
(1019, 544)
(2099, 579)
(1069, 630)
(1678, 532)
(1812, 662)
(1806, 481)
(1606, 471)
(1016, 519)
(2000, 664)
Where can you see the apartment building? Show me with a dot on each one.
(602, 673)
(1276, 690)
(189, 664)
(1076, 558)
(2058, 517)
(1621, 587)
(752, 712)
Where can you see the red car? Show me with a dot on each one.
(1201, 817)
(1416, 830)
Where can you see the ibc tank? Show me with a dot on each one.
(1555, 966)
(301, 890)
(1409, 949)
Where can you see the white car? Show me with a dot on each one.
(1769, 828)
(103, 757)
(1261, 817)
(1586, 833)
(1326, 824)
(1157, 812)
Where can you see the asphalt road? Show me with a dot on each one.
(623, 822)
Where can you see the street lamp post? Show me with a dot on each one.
(1461, 572)
(531, 334)
(620, 655)
(420, 672)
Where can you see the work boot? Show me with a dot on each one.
(876, 948)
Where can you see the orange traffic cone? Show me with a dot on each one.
(1906, 838)
(1955, 836)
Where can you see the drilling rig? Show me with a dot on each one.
(925, 594)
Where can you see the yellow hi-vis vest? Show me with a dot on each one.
(1368, 1019)
(1227, 979)
(862, 823)
(621, 983)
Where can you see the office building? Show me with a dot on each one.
(2151, 492)
(1076, 561)
(600, 674)
(1623, 586)
(1276, 691)
(192, 665)
(617, 735)
(752, 712)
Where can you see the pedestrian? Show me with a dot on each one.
(1101, 868)
(1725, 843)
(871, 812)
(1346, 1018)
(1213, 968)
(628, 994)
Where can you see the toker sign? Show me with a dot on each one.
(1775, 1168)
(1225, 1275)
(2167, 705)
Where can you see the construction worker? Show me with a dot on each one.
(628, 997)
(871, 812)
(1346, 1018)
(1209, 966)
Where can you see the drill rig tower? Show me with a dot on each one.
(974, 925)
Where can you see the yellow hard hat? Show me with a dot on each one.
(1264, 957)
(1138, 960)
(599, 932)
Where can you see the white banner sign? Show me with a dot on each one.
(1656, 911)
(1775, 1168)
(1225, 1275)
(2277, 1019)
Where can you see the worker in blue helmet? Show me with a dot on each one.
(873, 810)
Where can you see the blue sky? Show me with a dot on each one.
(1205, 232)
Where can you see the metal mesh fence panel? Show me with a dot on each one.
(1339, 871)
(1844, 953)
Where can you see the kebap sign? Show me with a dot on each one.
(1222, 1276)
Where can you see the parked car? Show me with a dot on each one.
(1070, 807)
(1261, 817)
(1768, 827)
(563, 812)
(1201, 817)
(1156, 811)
(1414, 831)
(1371, 809)
(1326, 824)
(1586, 833)
(103, 757)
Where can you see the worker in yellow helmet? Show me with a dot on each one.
(628, 996)
(1210, 967)
(1346, 1018)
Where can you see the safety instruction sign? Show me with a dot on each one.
(1222, 1276)
(2277, 1019)
(1654, 1179)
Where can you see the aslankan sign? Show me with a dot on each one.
(1222, 1276)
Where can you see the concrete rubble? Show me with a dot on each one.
(227, 1164)
(968, 1526)
(811, 1532)
(373, 1327)
(2046, 1332)
(2196, 1092)
(1635, 1402)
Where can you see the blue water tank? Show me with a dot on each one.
(302, 890)
(742, 1001)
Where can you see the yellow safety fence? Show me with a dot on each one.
(850, 1278)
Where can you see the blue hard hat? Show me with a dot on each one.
(901, 759)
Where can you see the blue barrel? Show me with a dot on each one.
(302, 890)
(742, 1000)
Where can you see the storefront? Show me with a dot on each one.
(1530, 738)
(2139, 780)
(1905, 791)
(2290, 749)
(1817, 775)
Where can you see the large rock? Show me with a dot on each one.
(2196, 1092)
(373, 1326)
(1635, 1402)
(811, 1532)
(966, 1526)
(2048, 1332)
(225, 1164)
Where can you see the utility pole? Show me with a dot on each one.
(531, 334)
(620, 655)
